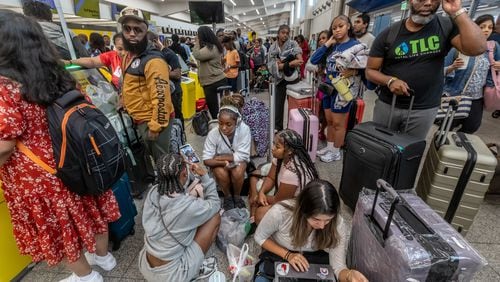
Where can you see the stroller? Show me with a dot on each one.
(261, 79)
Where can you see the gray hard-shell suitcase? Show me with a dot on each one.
(398, 237)
(456, 175)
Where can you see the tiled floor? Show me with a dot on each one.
(484, 233)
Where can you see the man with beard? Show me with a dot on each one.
(146, 89)
(360, 28)
(408, 59)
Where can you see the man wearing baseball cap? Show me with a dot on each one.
(145, 89)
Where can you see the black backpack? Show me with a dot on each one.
(87, 150)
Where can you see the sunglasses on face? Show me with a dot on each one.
(136, 29)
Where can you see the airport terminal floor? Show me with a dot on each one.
(484, 234)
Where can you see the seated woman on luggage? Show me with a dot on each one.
(304, 231)
(291, 169)
(227, 151)
(180, 226)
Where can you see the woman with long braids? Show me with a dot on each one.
(208, 50)
(180, 221)
(291, 170)
(303, 231)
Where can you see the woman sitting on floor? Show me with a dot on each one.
(180, 224)
(227, 151)
(291, 169)
(303, 231)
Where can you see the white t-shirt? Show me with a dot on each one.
(216, 144)
(276, 225)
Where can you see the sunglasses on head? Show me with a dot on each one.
(136, 29)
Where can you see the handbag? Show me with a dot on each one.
(463, 110)
(491, 94)
(200, 123)
(464, 102)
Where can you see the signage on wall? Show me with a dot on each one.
(87, 8)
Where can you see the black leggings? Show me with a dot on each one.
(472, 123)
(211, 96)
(279, 104)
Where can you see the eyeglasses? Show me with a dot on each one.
(136, 29)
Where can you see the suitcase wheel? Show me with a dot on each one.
(496, 114)
(132, 232)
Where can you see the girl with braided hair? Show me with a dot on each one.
(227, 151)
(291, 170)
(180, 224)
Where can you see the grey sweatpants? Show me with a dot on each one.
(184, 268)
(159, 146)
(419, 124)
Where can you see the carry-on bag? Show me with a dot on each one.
(356, 112)
(456, 174)
(124, 226)
(306, 123)
(398, 237)
(139, 164)
(372, 151)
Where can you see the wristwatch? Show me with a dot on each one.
(458, 13)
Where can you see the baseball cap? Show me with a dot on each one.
(132, 13)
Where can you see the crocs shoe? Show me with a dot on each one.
(94, 276)
(107, 262)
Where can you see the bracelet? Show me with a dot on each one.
(287, 255)
(458, 13)
(391, 81)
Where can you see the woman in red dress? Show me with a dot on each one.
(305, 53)
(50, 222)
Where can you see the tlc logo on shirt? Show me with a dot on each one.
(418, 47)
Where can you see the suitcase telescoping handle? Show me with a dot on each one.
(445, 127)
(393, 107)
(272, 96)
(382, 184)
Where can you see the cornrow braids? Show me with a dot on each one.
(302, 162)
(169, 167)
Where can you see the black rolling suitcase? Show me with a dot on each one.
(139, 163)
(372, 152)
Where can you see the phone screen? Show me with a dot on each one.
(188, 152)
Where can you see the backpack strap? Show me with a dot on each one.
(491, 49)
(446, 25)
(25, 150)
(394, 30)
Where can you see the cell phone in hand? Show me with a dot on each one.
(188, 153)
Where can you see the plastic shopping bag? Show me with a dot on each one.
(234, 227)
(241, 264)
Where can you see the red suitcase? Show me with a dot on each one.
(355, 114)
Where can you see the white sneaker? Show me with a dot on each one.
(94, 276)
(330, 157)
(107, 262)
(323, 151)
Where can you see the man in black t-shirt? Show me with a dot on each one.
(413, 63)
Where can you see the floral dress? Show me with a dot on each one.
(50, 222)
